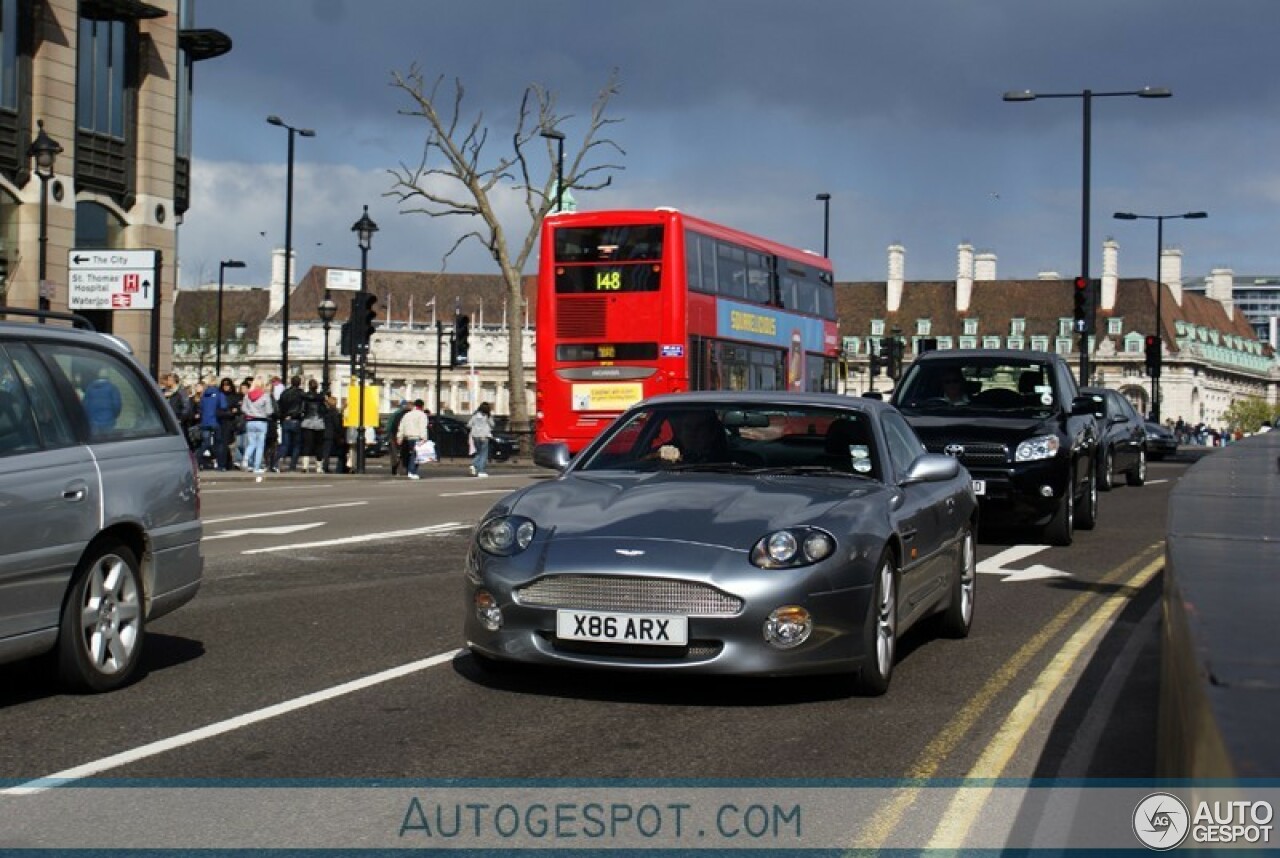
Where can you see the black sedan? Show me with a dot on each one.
(452, 440)
(728, 533)
(1161, 444)
(1122, 439)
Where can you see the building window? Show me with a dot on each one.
(9, 54)
(968, 342)
(1040, 343)
(991, 342)
(1064, 327)
(1063, 345)
(1017, 328)
(945, 343)
(1115, 326)
(922, 327)
(877, 327)
(1015, 343)
(970, 327)
(100, 86)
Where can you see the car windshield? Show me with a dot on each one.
(762, 438)
(979, 385)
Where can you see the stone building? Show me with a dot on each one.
(109, 83)
(1211, 352)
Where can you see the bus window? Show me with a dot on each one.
(759, 277)
(732, 270)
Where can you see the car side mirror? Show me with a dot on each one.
(932, 468)
(554, 455)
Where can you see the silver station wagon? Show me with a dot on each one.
(99, 503)
(729, 533)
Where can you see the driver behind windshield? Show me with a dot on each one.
(954, 388)
(697, 437)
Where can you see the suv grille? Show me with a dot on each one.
(975, 452)
(610, 593)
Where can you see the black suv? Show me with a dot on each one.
(1015, 420)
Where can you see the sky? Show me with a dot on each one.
(742, 111)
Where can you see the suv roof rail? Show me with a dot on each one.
(75, 319)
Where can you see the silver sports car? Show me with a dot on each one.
(730, 533)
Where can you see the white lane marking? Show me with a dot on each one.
(258, 487)
(365, 537)
(248, 516)
(124, 758)
(280, 530)
(995, 565)
(1156, 482)
(468, 494)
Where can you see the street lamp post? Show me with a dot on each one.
(364, 230)
(222, 270)
(1086, 97)
(1159, 333)
(288, 240)
(327, 311)
(558, 136)
(44, 150)
(826, 224)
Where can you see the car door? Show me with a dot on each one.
(923, 519)
(50, 499)
(1130, 435)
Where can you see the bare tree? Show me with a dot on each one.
(453, 177)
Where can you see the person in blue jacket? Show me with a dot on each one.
(212, 402)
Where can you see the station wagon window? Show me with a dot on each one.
(52, 424)
(115, 404)
(17, 433)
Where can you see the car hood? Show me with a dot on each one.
(1001, 430)
(727, 510)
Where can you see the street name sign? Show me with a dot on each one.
(112, 279)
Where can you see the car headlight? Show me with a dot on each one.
(1032, 449)
(505, 535)
(792, 547)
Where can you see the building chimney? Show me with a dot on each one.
(897, 276)
(964, 277)
(277, 279)
(984, 266)
(1110, 273)
(1221, 281)
(1171, 271)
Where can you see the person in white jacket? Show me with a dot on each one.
(412, 429)
(481, 428)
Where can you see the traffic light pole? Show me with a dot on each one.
(439, 358)
(360, 334)
(1155, 376)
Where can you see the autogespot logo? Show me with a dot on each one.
(1161, 821)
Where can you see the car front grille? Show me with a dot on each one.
(975, 452)
(635, 595)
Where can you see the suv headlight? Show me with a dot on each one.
(793, 547)
(505, 535)
(1033, 449)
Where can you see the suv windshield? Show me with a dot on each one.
(979, 385)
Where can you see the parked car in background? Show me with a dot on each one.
(100, 520)
(1122, 441)
(1015, 420)
(453, 441)
(728, 533)
(1161, 443)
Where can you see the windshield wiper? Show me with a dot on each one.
(804, 470)
(711, 467)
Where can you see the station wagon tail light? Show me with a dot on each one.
(505, 535)
(792, 547)
(1033, 449)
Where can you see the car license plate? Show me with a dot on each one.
(600, 627)
(979, 487)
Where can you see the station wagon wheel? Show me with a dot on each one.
(881, 634)
(1138, 475)
(1087, 517)
(102, 628)
(958, 617)
(1104, 471)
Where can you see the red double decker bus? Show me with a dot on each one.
(636, 303)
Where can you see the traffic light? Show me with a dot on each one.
(876, 361)
(1153, 355)
(461, 339)
(362, 319)
(344, 340)
(1082, 304)
(893, 353)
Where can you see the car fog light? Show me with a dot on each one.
(487, 610)
(1046, 491)
(788, 627)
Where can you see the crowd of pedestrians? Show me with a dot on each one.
(271, 427)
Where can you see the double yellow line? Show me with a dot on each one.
(1135, 573)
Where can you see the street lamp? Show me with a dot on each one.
(364, 230)
(327, 311)
(558, 136)
(826, 224)
(1159, 334)
(288, 240)
(44, 150)
(222, 270)
(1087, 97)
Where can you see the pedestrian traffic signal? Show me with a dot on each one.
(1083, 304)
(363, 321)
(1153, 355)
(461, 339)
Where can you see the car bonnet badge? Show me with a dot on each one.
(629, 552)
(956, 450)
